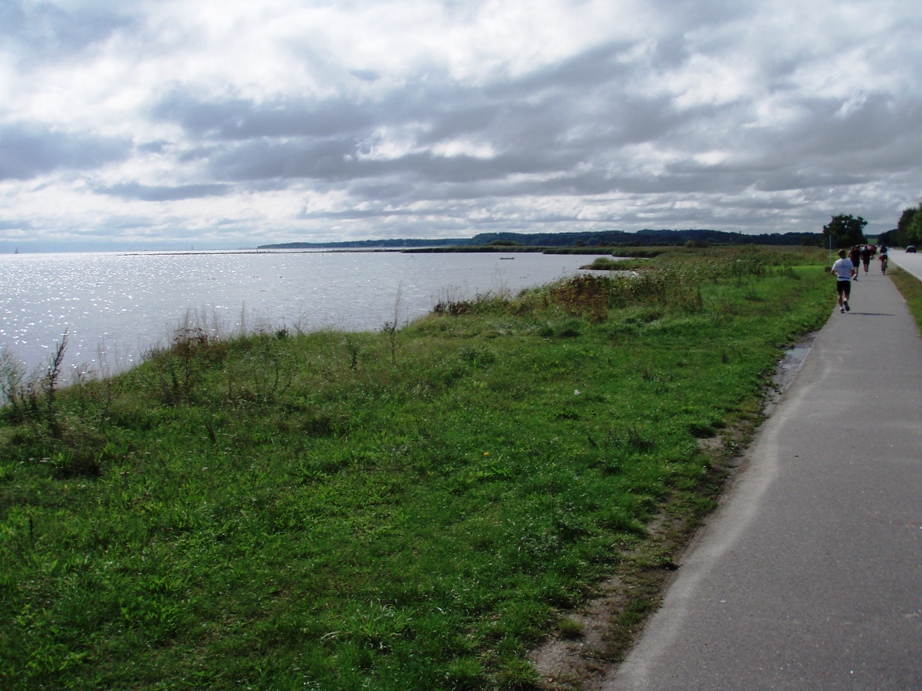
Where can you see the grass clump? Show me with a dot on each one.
(408, 509)
(570, 628)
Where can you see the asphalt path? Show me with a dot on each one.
(908, 262)
(809, 575)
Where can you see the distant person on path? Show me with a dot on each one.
(843, 270)
(883, 259)
(865, 258)
(855, 256)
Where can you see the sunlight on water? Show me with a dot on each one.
(115, 306)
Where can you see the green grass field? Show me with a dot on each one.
(409, 509)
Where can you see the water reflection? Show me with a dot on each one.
(114, 306)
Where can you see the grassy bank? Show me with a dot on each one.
(409, 509)
(911, 290)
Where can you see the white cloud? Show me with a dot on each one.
(241, 123)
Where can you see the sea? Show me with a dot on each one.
(112, 307)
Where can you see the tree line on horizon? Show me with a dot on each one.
(606, 238)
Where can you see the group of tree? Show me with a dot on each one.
(908, 231)
(846, 230)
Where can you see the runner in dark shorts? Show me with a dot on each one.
(843, 271)
(866, 257)
(855, 257)
(844, 288)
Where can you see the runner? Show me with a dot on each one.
(883, 259)
(855, 256)
(843, 270)
(865, 258)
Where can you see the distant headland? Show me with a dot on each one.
(605, 238)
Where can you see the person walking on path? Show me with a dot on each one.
(866, 254)
(855, 256)
(843, 271)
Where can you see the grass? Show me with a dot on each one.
(911, 290)
(409, 509)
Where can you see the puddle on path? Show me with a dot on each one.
(790, 365)
(787, 370)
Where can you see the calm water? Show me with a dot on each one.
(115, 306)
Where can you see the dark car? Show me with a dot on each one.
(911, 249)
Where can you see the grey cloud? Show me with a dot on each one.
(555, 136)
(638, 121)
(301, 158)
(546, 122)
(788, 180)
(235, 119)
(14, 225)
(541, 109)
(685, 17)
(365, 75)
(337, 159)
(29, 150)
(825, 147)
(822, 130)
(392, 189)
(355, 214)
(531, 111)
(42, 31)
(156, 193)
(587, 69)
(157, 147)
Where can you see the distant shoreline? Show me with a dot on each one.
(607, 238)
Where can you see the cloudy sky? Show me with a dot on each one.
(132, 124)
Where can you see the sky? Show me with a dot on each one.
(162, 124)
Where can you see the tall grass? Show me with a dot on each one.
(408, 509)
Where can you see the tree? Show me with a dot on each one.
(914, 234)
(888, 238)
(845, 231)
(903, 231)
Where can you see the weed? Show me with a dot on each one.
(173, 372)
(12, 385)
(636, 439)
(51, 381)
(584, 295)
(353, 349)
(391, 327)
(32, 397)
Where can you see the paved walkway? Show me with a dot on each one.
(908, 262)
(809, 576)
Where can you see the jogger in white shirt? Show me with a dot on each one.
(843, 270)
